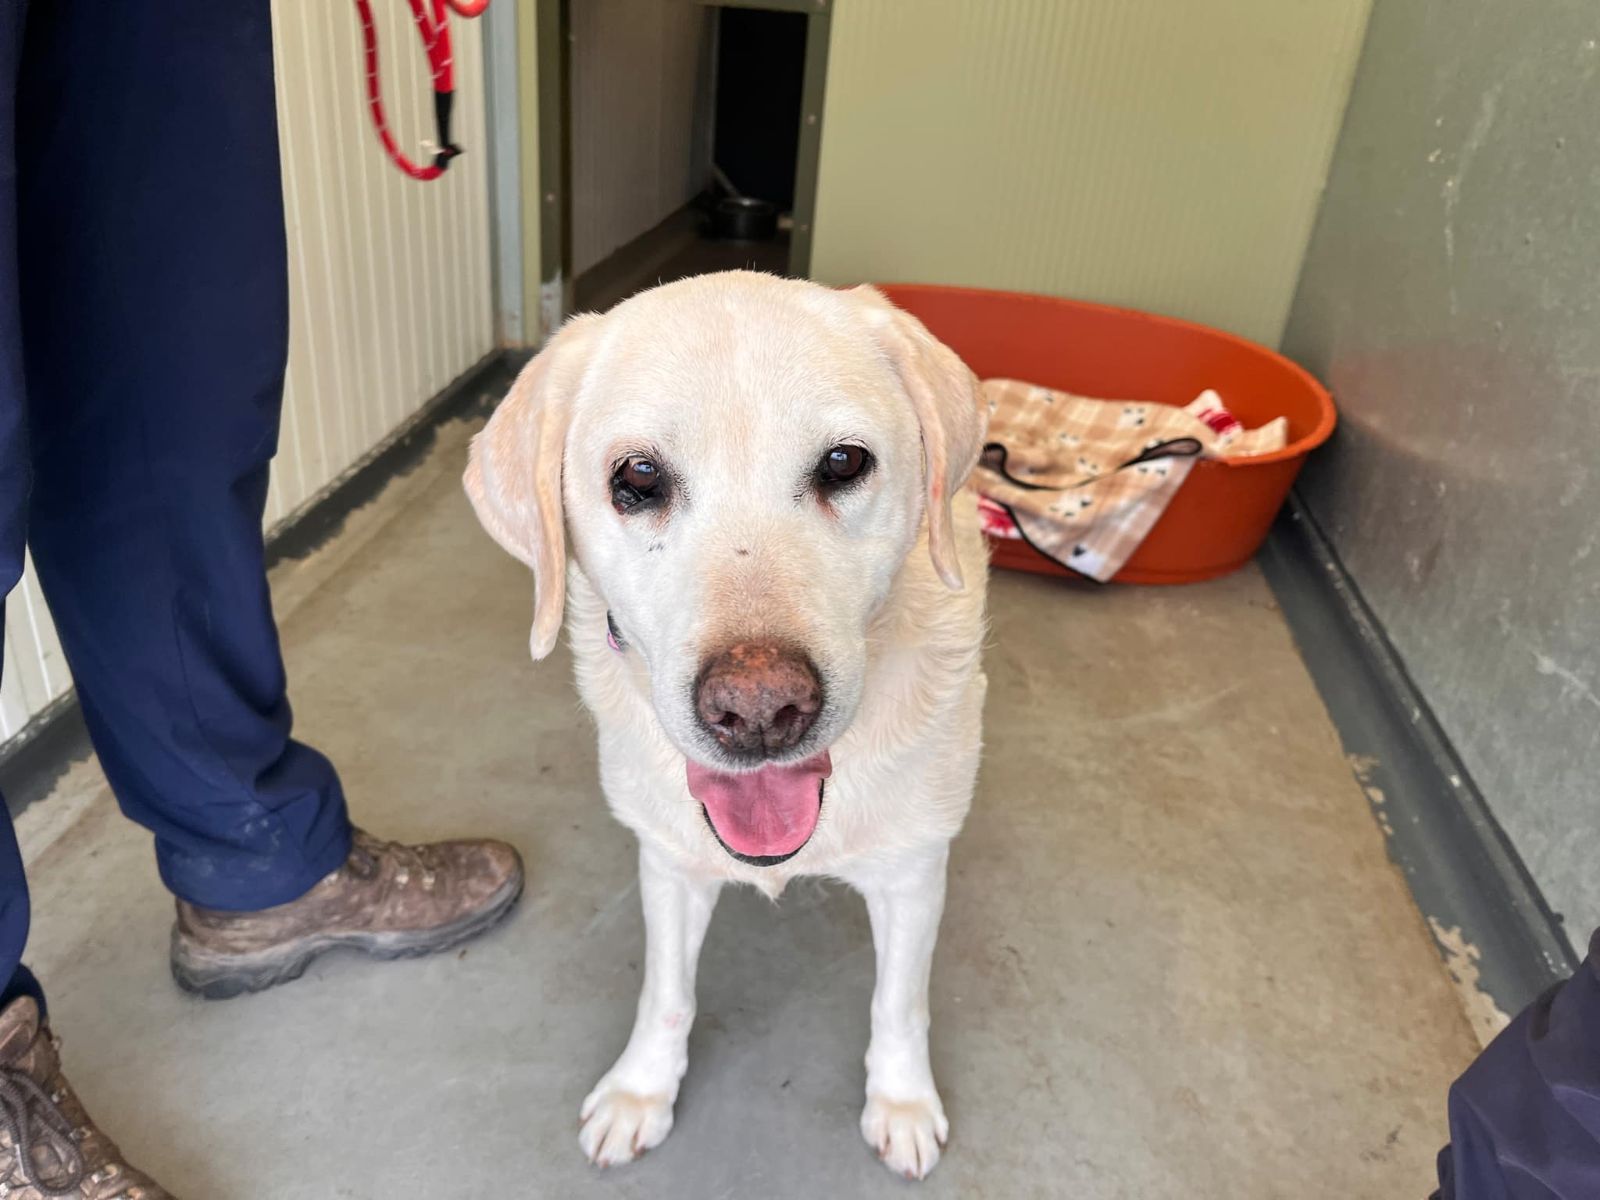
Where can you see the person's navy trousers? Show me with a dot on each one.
(143, 337)
(1525, 1117)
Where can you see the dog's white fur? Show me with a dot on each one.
(739, 383)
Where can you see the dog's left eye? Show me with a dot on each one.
(843, 463)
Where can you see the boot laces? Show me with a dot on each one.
(367, 854)
(29, 1113)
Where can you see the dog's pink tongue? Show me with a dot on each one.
(765, 813)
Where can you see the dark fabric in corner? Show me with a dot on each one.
(1525, 1117)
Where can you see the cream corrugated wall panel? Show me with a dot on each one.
(635, 64)
(35, 669)
(1151, 153)
(389, 279)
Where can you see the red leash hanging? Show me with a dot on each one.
(434, 28)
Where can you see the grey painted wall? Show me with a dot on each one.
(1451, 300)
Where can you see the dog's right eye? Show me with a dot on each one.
(843, 464)
(635, 480)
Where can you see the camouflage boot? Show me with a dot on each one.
(48, 1145)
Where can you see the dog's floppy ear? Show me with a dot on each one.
(950, 409)
(513, 473)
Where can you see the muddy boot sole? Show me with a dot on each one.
(223, 976)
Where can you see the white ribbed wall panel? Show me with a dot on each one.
(35, 670)
(389, 279)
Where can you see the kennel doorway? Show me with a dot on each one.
(652, 114)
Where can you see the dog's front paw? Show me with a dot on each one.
(906, 1134)
(618, 1126)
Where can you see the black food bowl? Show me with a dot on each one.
(739, 219)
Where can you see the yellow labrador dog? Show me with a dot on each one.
(775, 593)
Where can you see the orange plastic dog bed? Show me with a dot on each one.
(1221, 514)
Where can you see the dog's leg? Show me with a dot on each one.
(904, 1120)
(630, 1109)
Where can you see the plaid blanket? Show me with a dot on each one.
(1084, 480)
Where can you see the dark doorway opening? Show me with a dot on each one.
(687, 132)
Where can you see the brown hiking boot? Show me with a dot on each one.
(48, 1145)
(388, 900)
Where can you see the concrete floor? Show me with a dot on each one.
(1175, 961)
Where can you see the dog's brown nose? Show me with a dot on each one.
(758, 698)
